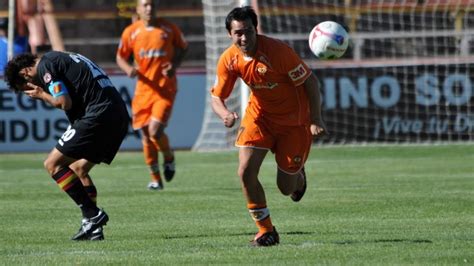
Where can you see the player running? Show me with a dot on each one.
(158, 48)
(98, 124)
(282, 116)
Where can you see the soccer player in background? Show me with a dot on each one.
(283, 113)
(157, 47)
(98, 119)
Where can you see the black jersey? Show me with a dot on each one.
(90, 89)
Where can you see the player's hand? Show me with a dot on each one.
(133, 72)
(318, 129)
(230, 118)
(33, 91)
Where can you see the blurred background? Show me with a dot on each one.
(406, 77)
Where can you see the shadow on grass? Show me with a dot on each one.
(232, 234)
(412, 241)
(341, 242)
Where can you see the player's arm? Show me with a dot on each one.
(59, 100)
(311, 86)
(126, 67)
(124, 52)
(219, 107)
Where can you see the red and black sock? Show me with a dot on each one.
(68, 181)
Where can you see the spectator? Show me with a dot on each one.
(20, 44)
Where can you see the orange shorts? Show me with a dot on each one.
(152, 105)
(291, 144)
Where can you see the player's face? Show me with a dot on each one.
(244, 36)
(29, 74)
(145, 10)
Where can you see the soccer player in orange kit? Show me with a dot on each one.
(283, 114)
(158, 48)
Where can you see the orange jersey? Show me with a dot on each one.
(152, 48)
(275, 75)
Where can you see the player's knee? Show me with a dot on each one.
(50, 165)
(79, 171)
(248, 176)
(155, 130)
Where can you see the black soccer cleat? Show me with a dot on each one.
(169, 169)
(89, 226)
(97, 234)
(268, 239)
(298, 194)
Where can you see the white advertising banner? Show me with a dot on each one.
(28, 125)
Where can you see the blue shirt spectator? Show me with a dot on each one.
(20, 44)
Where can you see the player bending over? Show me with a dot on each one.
(98, 124)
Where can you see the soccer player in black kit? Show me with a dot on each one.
(98, 124)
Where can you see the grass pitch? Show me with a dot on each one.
(364, 205)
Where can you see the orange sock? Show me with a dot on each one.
(261, 215)
(150, 151)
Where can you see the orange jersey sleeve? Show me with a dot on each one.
(275, 75)
(225, 76)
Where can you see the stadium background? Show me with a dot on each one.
(405, 78)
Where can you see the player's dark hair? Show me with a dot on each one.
(241, 14)
(12, 71)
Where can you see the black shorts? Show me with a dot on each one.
(96, 139)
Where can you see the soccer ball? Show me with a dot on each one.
(328, 40)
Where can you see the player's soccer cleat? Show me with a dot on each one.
(89, 225)
(169, 169)
(97, 234)
(155, 185)
(298, 194)
(268, 239)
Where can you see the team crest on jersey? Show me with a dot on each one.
(47, 78)
(298, 72)
(261, 69)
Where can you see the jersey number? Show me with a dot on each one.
(67, 135)
(95, 70)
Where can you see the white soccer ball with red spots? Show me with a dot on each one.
(328, 40)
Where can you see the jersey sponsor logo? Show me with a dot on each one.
(298, 72)
(151, 53)
(47, 78)
(268, 85)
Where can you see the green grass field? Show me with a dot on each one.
(373, 205)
